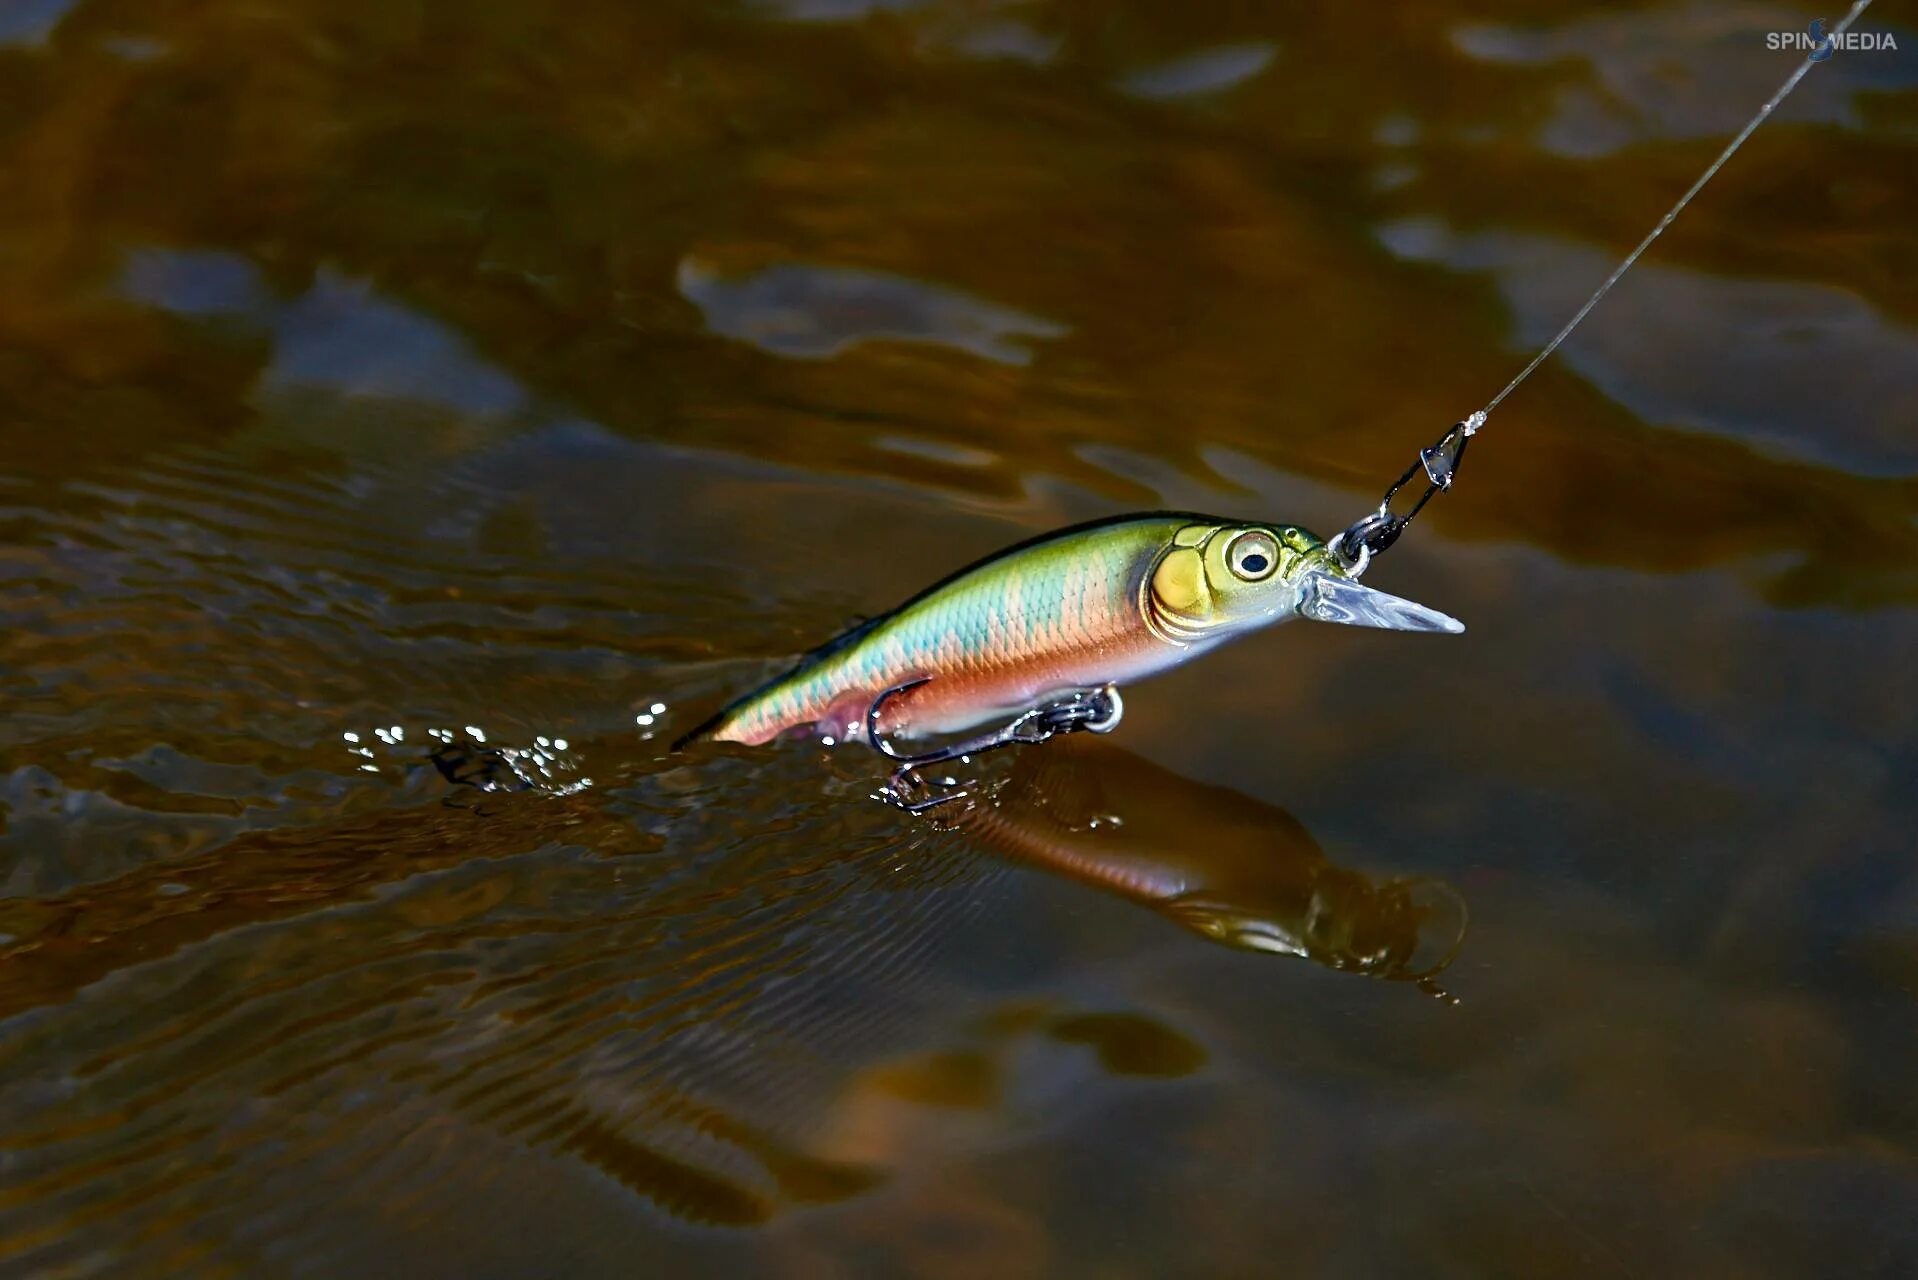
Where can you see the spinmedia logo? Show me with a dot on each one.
(1819, 44)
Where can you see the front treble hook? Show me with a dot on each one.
(1095, 710)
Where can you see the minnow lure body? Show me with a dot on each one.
(1102, 603)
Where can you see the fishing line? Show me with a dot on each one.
(1377, 530)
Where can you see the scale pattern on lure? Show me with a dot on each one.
(1095, 604)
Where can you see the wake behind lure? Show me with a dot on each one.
(1061, 617)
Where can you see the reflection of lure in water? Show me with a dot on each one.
(1220, 863)
(1070, 612)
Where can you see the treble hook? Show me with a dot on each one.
(1095, 710)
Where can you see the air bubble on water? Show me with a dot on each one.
(559, 744)
(643, 718)
(474, 732)
(350, 736)
(658, 708)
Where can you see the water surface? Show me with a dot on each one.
(517, 381)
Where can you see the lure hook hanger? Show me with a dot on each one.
(1094, 710)
(1377, 530)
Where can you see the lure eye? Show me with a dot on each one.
(1252, 556)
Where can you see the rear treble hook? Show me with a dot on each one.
(1095, 710)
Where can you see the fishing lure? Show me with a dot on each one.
(1046, 630)
(1053, 624)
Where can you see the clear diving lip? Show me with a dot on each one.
(1333, 599)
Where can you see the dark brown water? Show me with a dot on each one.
(380, 375)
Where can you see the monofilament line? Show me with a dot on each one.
(1784, 91)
